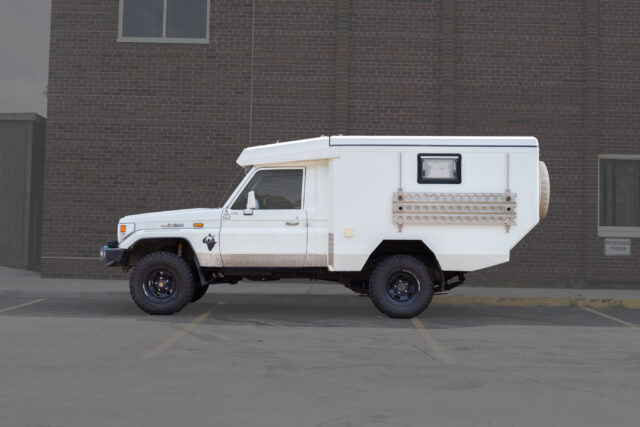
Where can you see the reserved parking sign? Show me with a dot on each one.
(617, 247)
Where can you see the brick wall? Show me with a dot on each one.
(617, 123)
(394, 69)
(520, 70)
(137, 127)
(142, 127)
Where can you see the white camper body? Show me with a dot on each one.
(350, 182)
(336, 203)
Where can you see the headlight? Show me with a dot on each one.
(125, 229)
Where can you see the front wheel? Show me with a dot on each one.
(162, 283)
(401, 286)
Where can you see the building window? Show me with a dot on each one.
(619, 210)
(164, 21)
(439, 168)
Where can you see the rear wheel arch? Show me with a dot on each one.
(416, 248)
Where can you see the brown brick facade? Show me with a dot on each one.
(136, 127)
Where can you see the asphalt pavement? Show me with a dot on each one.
(79, 352)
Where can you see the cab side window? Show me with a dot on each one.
(274, 189)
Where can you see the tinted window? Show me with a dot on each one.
(274, 189)
(619, 193)
(142, 18)
(187, 18)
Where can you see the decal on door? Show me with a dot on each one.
(210, 241)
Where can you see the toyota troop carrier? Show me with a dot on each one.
(394, 218)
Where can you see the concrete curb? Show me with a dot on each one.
(493, 301)
(210, 298)
(348, 299)
(65, 295)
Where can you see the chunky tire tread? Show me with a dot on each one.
(199, 292)
(378, 286)
(182, 272)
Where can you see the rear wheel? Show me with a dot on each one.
(401, 286)
(162, 283)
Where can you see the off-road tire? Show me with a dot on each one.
(174, 265)
(199, 292)
(385, 271)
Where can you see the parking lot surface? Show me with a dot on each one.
(309, 360)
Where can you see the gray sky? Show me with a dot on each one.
(24, 55)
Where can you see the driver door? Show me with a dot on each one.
(274, 234)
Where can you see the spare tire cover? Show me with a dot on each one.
(545, 190)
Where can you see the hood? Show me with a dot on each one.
(172, 219)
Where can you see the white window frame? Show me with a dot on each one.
(615, 231)
(164, 38)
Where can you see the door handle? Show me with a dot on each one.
(293, 222)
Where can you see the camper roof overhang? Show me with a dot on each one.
(326, 147)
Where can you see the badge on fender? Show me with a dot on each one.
(210, 241)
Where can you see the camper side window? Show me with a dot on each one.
(439, 168)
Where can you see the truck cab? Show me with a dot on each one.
(394, 218)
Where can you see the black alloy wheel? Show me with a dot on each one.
(401, 286)
(162, 283)
(160, 286)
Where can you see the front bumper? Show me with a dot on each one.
(111, 255)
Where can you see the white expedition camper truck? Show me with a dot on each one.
(395, 218)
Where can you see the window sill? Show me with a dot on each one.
(618, 231)
(161, 40)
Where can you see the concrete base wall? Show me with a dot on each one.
(22, 140)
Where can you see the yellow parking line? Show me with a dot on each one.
(433, 344)
(615, 319)
(185, 329)
(21, 305)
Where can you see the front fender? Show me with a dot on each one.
(203, 241)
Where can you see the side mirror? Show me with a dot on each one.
(251, 203)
